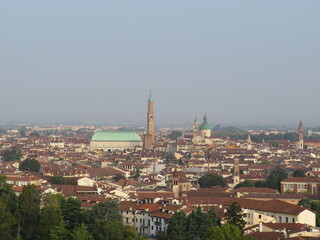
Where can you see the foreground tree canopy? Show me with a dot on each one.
(193, 226)
(55, 218)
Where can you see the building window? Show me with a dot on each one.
(259, 216)
(293, 220)
(280, 219)
(287, 219)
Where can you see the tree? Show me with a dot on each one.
(209, 180)
(7, 220)
(234, 215)
(71, 212)
(298, 173)
(276, 176)
(22, 133)
(60, 233)
(174, 135)
(198, 222)
(226, 232)
(177, 229)
(106, 210)
(11, 154)
(171, 158)
(260, 184)
(118, 176)
(52, 200)
(50, 218)
(29, 202)
(30, 164)
(34, 134)
(137, 174)
(305, 202)
(245, 183)
(162, 236)
(108, 230)
(57, 180)
(81, 233)
(8, 196)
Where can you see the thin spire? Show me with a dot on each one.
(150, 97)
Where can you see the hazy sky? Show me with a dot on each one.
(241, 62)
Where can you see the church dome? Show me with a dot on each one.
(206, 126)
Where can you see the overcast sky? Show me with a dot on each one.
(241, 62)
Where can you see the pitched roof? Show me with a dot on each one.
(301, 179)
(267, 235)
(255, 190)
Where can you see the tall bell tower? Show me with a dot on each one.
(236, 172)
(195, 127)
(149, 138)
(300, 136)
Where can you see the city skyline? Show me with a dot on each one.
(248, 63)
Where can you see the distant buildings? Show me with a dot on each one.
(119, 140)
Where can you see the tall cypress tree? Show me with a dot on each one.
(29, 207)
(234, 215)
(177, 229)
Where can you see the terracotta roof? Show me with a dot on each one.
(161, 215)
(287, 226)
(267, 235)
(268, 206)
(149, 207)
(301, 179)
(255, 190)
(128, 206)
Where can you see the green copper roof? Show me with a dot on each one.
(150, 98)
(116, 136)
(205, 127)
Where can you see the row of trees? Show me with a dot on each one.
(237, 133)
(273, 181)
(200, 225)
(52, 217)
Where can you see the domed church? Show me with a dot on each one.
(205, 128)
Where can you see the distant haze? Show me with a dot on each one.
(241, 62)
